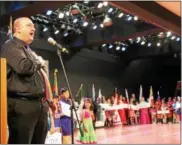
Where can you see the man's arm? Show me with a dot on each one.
(19, 61)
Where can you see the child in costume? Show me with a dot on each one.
(65, 121)
(87, 127)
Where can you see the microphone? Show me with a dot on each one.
(53, 42)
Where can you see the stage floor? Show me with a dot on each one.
(140, 134)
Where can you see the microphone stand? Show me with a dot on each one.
(72, 108)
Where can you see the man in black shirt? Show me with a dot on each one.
(27, 113)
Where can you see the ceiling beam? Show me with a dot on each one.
(153, 13)
(124, 38)
(33, 9)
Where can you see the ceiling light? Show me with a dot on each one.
(110, 46)
(101, 25)
(173, 37)
(143, 43)
(158, 44)
(56, 31)
(123, 48)
(120, 15)
(149, 44)
(135, 18)
(85, 24)
(178, 39)
(100, 5)
(129, 18)
(94, 27)
(103, 45)
(49, 12)
(67, 13)
(45, 29)
(169, 33)
(65, 34)
(105, 3)
(61, 15)
(110, 10)
(75, 20)
(138, 39)
(118, 48)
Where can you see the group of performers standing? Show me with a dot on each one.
(158, 111)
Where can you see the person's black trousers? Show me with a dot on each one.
(27, 121)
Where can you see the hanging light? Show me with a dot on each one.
(61, 15)
(169, 33)
(149, 44)
(49, 12)
(135, 18)
(120, 15)
(85, 24)
(158, 44)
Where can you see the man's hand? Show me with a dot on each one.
(39, 59)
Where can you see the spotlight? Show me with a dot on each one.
(75, 20)
(158, 44)
(100, 5)
(178, 39)
(110, 46)
(101, 25)
(85, 24)
(49, 12)
(45, 29)
(118, 48)
(67, 13)
(65, 34)
(169, 33)
(103, 45)
(143, 43)
(129, 18)
(94, 27)
(56, 31)
(173, 37)
(138, 39)
(110, 10)
(120, 15)
(135, 18)
(123, 48)
(61, 15)
(149, 44)
(105, 3)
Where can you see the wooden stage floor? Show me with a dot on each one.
(140, 134)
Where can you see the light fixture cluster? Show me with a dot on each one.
(79, 16)
(155, 40)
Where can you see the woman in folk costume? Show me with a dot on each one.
(121, 112)
(132, 114)
(158, 108)
(170, 108)
(164, 108)
(144, 112)
(87, 117)
(65, 121)
(153, 113)
(109, 114)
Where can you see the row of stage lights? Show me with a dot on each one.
(120, 46)
(72, 26)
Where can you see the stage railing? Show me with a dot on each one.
(3, 102)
